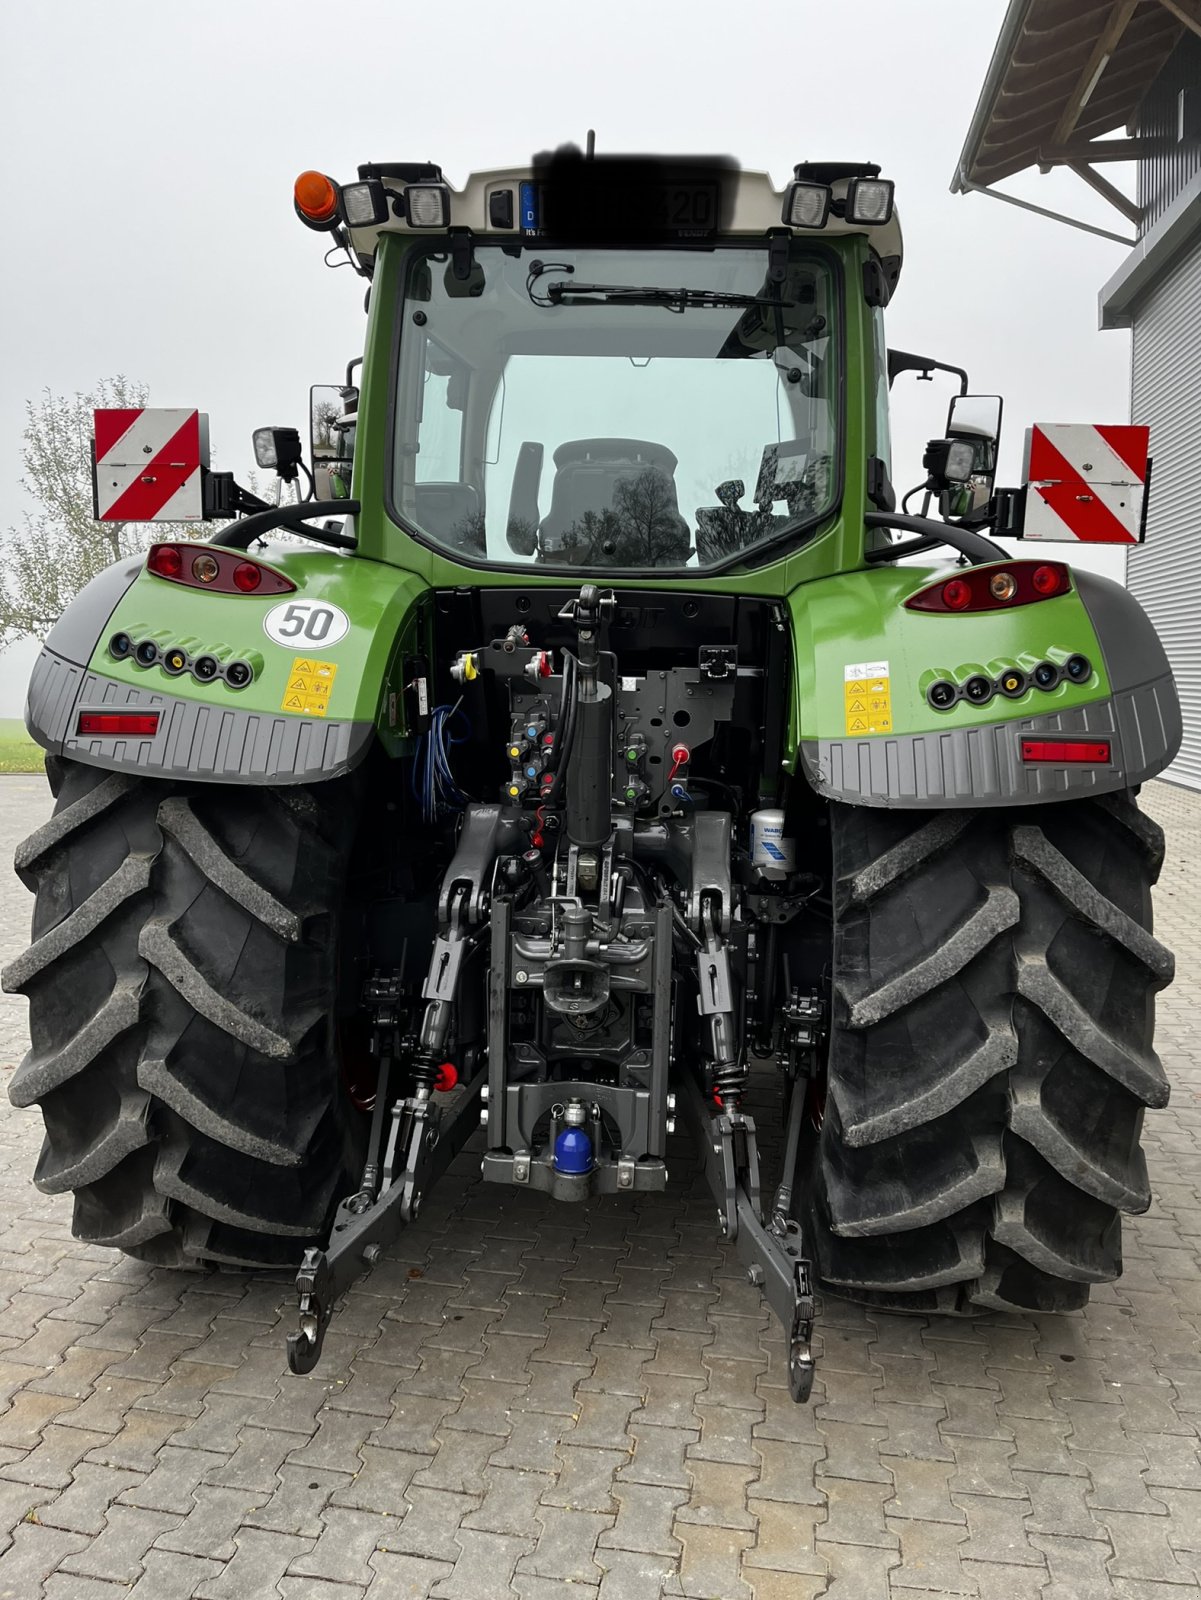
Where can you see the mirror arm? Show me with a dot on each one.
(903, 361)
(240, 535)
(930, 533)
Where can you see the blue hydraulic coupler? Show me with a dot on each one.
(573, 1147)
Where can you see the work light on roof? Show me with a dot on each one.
(807, 205)
(428, 205)
(869, 201)
(365, 205)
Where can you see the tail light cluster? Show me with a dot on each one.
(175, 661)
(1013, 683)
(1018, 583)
(209, 567)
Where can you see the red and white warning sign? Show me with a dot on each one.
(1086, 482)
(147, 464)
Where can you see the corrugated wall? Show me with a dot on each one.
(1161, 177)
(1166, 394)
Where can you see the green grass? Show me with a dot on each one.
(18, 753)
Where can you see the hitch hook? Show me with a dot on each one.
(801, 1365)
(315, 1308)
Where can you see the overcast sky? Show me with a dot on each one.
(150, 222)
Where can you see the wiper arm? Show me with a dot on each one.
(620, 294)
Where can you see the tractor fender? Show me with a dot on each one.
(864, 731)
(310, 710)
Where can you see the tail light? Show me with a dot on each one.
(1067, 752)
(220, 571)
(143, 724)
(994, 588)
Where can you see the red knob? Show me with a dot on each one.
(446, 1077)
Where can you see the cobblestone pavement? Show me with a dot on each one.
(524, 1397)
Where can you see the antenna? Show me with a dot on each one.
(590, 146)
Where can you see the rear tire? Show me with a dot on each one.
(182, 1005)
(990, 1056)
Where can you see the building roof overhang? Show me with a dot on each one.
(1064, 75)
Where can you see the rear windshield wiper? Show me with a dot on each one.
(620, 294)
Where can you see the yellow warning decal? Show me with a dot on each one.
(867, 696)
(309, 686)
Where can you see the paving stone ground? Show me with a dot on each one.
(554, 1402)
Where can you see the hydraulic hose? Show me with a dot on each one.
(565, 733)
(930, 533)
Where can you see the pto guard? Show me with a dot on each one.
(284, 726)
(865, 733)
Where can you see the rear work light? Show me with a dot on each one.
(142, 724)
(219, 571)
(428, 205)
(1067, 752)
(365, 205)
(994, 588)
(807, 205)
(869, 201)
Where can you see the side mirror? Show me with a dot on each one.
(976, 416)
(973, 422)
(326, 406)
(333, 410)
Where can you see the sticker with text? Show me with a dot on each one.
(300, 623)
(867, 697)
(309, 686)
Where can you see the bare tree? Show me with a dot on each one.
(60, 546)
(643, 529)
(325, 414)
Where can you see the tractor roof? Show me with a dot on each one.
(610, 199)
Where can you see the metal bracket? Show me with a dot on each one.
(773, 1254)
(429, 1137)
(802, 1031)
(421, 1140)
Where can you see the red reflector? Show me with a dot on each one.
(247, 576)
(1067, 752)
(956, 594)
(144, 723)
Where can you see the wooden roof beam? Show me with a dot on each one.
(1186, 11)
(1132, 212)
(1093, 69)
(1093, 150)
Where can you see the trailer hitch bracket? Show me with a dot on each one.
(423, 1140)
(773, 1252)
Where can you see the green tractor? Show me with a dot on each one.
(588, 739)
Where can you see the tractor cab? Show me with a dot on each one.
(589, 354)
